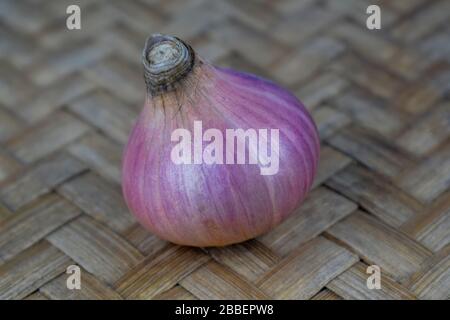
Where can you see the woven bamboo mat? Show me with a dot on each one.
(380, 99)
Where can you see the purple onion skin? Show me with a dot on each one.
(216, 205)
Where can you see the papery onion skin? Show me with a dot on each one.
(216, 205)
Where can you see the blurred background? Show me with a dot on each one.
(380, 98)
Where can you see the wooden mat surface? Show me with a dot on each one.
(380, 99)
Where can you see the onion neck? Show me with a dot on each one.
(166, 60)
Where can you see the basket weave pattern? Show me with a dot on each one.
(380, 99)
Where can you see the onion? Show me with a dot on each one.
(177, 180)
